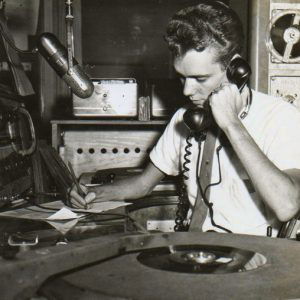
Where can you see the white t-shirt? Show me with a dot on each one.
(275, 127)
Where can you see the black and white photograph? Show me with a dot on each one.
(150, 149)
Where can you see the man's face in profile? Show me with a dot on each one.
(200, 74)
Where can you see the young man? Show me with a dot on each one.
(257, 169)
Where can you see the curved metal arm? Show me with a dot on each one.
(31, 148)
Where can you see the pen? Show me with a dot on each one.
(79, 189)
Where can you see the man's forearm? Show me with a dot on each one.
(123, 189)
(279, 190)
(133, 187)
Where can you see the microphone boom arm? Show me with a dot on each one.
(70, 40)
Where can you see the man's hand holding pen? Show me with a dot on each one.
(80, 191)
(81, 198)
(91, 195)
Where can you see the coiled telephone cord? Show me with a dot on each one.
(183, 201)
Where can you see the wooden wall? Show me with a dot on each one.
(113, 38)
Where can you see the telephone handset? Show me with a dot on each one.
(198, 119)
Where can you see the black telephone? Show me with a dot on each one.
(198, 119)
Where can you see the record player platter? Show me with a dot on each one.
(187, 266)
(201, 259)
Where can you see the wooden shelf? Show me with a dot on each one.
(60, 126)
(108, 122)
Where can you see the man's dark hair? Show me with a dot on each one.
(208, 24)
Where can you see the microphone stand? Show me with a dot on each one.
(70, 41)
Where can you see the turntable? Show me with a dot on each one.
(158, 266)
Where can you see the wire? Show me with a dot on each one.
(183, 203)
(12, 45)
(187, 161)
(203, 193)
(219, 168)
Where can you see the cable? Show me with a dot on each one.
(203, 193)
(219, 167)
(186, 158)
(183, 203)
(12, 45)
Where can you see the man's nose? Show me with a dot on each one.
(188, 87)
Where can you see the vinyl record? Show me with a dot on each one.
(202, 259)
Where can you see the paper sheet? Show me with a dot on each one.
(97, 207)
(57, 210)
(63, 226)
(59, 216)
(63, 214)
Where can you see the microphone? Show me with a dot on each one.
(57, 56)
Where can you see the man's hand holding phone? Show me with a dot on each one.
(227, 103)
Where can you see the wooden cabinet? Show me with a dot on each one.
(91, 145)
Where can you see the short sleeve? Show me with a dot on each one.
(166, 153)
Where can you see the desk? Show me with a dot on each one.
(88, 243)
(107, 267)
